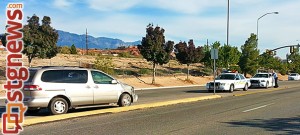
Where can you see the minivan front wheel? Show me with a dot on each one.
(125, 100)
(58, 106)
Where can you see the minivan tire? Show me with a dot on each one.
(58, 106)
(125, 100)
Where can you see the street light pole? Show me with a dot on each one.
(258, 20)
(227, 22)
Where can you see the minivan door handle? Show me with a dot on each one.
(88, 86)
(96, 86)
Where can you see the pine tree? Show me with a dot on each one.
(249, 58)
(73, 49)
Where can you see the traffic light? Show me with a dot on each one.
(267, 51)
(292, 49)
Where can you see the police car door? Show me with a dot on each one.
(237, 82)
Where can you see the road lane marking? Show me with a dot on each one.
(257, 108)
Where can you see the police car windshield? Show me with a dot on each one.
(226, 77)
(260, 76)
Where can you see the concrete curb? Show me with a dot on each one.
(153, 88)
(52, 118)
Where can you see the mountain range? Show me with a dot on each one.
(68, 39)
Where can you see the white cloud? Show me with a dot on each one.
(62, 3)
(111, 5)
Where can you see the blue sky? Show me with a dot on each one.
(182, 19)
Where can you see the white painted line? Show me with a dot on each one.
(257, 108)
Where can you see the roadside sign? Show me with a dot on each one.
(214, 56)
(214, 53)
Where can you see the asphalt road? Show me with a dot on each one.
(158, 95)
(276, 112)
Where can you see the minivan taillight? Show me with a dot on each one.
(32, 87)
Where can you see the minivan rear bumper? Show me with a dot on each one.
(36, 102)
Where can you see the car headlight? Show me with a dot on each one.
(263, 80)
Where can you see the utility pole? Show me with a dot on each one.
(86, 42)
(227, 23)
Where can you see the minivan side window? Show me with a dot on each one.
(65, 76)
(101, 78)
(31, 75)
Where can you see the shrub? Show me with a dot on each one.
(145, 71)
(125, 55)
(104, 64)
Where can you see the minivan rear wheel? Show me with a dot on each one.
(58, 106)
(125, 100)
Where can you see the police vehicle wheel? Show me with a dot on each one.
(231, 88)
(267, 85)
(246, 87)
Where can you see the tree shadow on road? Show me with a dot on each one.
(286, 126)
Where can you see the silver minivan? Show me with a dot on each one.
(62, 88)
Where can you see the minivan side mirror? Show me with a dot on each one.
(114, 82)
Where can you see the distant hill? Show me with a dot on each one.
(67, 39)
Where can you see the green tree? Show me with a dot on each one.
(249, 58)
(207, 59)
(294, 64)
(267, 61)
(188, 54)
(207, 54)
(125, 54)
(104, 64)
(154, 48)
(3, 39)
(73, 49)
(39, 40)
(228, 56)
(64, 50)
